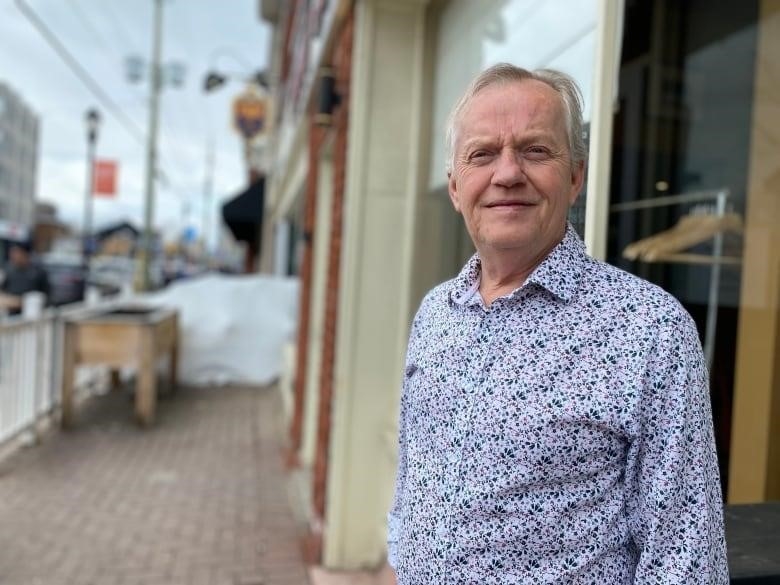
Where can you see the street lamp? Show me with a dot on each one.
(213, 80)
(249, 114)
(92, 120)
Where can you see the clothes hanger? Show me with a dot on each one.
(694, 228)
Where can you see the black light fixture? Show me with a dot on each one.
(259, 78)
(213, 81)
(328, 98)
(92, 119)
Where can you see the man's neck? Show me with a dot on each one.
(500, 277)
(503, 271)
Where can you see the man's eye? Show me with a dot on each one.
(479, 155)
(537, 152)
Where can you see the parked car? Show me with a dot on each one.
(67, 279)
(111, 273)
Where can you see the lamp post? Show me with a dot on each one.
(92, 119)
(249, 112)
(208, 191)
(255, 93)
(212, 81)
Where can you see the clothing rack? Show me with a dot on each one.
(716, 259)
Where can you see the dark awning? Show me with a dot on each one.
(243, 214)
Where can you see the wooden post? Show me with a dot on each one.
(174, 361)
(146, 385)
(68, 371)
(115, 381)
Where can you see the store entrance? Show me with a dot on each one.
(681, 153)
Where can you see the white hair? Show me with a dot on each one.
(504, 73)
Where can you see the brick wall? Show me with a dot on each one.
(341, 61)
(342, 65)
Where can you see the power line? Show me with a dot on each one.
(80, 72)
(119, 27)
(94, 30)
(87, 80)
(179, 170)
(90, 26)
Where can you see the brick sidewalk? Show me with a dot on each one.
(200, 499)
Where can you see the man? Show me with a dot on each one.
(21, 277)
(555, 419)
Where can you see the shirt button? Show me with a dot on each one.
(441, 531)
(453, 457)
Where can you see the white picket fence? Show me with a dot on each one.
(31, 373)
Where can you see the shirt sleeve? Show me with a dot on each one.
(674, 502)
(394, 516)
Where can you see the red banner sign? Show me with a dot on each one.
(104, 184)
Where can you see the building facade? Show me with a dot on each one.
(681, 103)
(18, 158)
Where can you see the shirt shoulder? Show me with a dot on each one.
(432, 313)
(631, 298)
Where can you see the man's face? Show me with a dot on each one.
(18, 256)
(512, 178)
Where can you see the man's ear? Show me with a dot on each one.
(577, 179)
(452, 189)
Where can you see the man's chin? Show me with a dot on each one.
(508, 243)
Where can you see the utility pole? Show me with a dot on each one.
(208, 190)
(155, 78)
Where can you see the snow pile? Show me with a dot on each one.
(232, 329)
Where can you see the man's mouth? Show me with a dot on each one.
(510, 203)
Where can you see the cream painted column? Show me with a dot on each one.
(381, 191)
(605, 81)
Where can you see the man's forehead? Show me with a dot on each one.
(532, 96)
(476, 135)
(533, 106)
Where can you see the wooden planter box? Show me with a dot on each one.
(118, 337)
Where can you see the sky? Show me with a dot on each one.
(203, 35)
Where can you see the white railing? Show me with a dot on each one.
(31, 373)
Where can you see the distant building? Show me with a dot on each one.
(48, 227)
(118, 239)
(18, 158)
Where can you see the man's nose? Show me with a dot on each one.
(509, 170)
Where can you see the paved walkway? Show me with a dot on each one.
(200, 499)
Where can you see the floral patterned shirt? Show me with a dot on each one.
(561, 435)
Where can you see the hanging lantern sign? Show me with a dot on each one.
(249, 113)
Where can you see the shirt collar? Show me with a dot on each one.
(559, 273)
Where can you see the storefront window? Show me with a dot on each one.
(471, 36)
(529, 33)
(689, 139)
